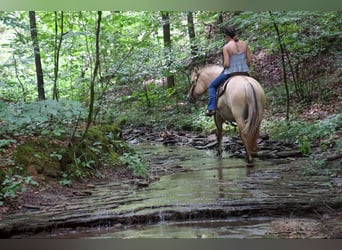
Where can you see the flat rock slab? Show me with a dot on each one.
(266, 190)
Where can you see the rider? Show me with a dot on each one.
(236, 59)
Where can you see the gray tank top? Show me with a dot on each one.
(238, 63)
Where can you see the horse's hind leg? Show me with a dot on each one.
(246, 141)
(218, 123)
(254, 146)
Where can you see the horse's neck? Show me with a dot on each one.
(207, 78)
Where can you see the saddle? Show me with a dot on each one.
(220, 90)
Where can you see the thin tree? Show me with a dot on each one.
(283, 54)
(191, 32)
(167, 45)
(58, 45)
(96, 68)
(37, 58)
(195, 57)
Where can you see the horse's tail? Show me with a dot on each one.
(251, 129)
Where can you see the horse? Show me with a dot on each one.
(242, 102)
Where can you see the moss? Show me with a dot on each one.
(102, 147)
(99, 131)
(39, 156)
(108, 138)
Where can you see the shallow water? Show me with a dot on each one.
(208, 180)
(227, 228)
(193, 202)
(186, 204)
(201, 197)
(208, 183)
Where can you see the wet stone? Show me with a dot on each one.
(207, 197)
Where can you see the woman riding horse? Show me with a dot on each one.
(242, 102)
(236, 58)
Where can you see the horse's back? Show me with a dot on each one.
(238, 96)
(238, 86)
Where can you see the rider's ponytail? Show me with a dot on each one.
(230, 31)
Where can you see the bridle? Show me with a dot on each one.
(198, 75)
(193, 84)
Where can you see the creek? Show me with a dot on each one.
(201, 197)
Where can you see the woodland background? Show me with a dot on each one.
(72, 81)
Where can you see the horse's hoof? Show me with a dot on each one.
(219, 155)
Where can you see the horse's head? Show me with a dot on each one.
(193, 93)
(200, 80)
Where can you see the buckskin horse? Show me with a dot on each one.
(242, 101)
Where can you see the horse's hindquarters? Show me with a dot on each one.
(233, 103)
(243, 102)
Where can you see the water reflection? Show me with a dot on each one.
(209, 181)
(208, 185)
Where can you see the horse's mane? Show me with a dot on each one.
(210, 66)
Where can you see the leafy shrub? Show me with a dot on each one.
(10, 186)
(304, 134)
(135, 163)
(96, 150)
(47, 117)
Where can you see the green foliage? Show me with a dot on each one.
(50, 157)
(202, 122)
(309, 39)
(135, 163)
(50, 118)
(316, 167)
(84, 157)
(304, 134)
(6, 142)
(106, 138)
(132, 49)
(66, 180)
(132, 52)
(11, 185)
(305, 33)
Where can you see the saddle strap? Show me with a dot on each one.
(238, 74)
(223, 86)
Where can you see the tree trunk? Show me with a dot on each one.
(167, 45)
(220, 22)
(282, 49)
(39, 70)
(58, 44)
(195, 57)
(92, 82)
(191, 32)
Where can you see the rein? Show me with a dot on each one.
(195, 83)
(198, 75)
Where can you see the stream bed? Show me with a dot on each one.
(202, 197)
